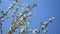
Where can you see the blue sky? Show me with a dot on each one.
(44, 10)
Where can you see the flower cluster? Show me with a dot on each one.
(22, 19)
(45, 24)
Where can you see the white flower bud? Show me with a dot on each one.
(46, 23)
(45, 31)
(42, 26)
(20, 14)
(22, 30)
(28, 22)
(24, 15)
(2, 19)
(34, 32)
(51, 19)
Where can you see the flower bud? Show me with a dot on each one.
(2, 19)
(51, 19)
(16, 9)
(46, 30)
(33, 32)
(46, 23)
(28, 5)
(7, 16)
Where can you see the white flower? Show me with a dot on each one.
(51, 19)
(2, 19)
(46, 30)
(28, 22)
(24, 15)
(42, 26)
(22, 30)
(30, 14)
(46, 23)
(34, 32)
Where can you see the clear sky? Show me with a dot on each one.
(44, 10)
